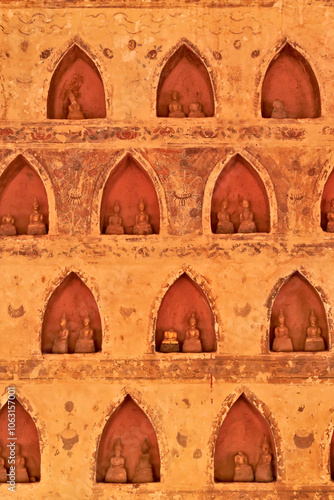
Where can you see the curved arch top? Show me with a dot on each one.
(291, 80)
(76, 72)
(185, 73)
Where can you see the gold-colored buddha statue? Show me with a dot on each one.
(142, 225)
(74, 108)
(243, 472)
(196, 110)
(247, 224)
(278, 110)
(85, 342)
(224, 226)
(116, 472)
(314, 341)
(36, 225)
(192, 341)
(263, 471)
(144, 471)
(175, 108)
(7, 227)
(282, 341)
(60, 344)
(115, 221)
(170, 342)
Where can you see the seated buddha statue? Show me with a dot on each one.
(196, 110)
(143, 471)
(85, 342)
(224, 226)
(116, 472)
(175, 108)
(60, 344)
(330, 218)
(7, 227)
(3, 470)
(115, 221)
(278, 110)
(263, 471)
(74, 108)
(282, 341)
(170, 342)
(192, 342)
(314, 341)
(142, 225)
(243, 472)
(36, 224)
(21, 472)
(247, 224)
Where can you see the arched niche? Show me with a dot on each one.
(78, 73)
(73, 298)
(127, 183)
(327, 196)
(186, 73)
(27, 437)
(130, 424)
(244, 430)
(239, 181)
(291, 80)
(182, 299)
(296, 298)
(19, 184)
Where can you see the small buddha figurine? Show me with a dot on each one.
(115, 221)
(85, 342)
(3, 470)
(36, 225)
(192, 342)
(263, 471)
(330, 218)
(278, 110)
(21, 472)
(196, 110)
(142, 225)
(74, 108)
(243, 472)
(224, 226)
(143, 471)
(175, 108)
(60, 345)
(116, 472)
(314, 340)
(282, 341)
(247, 224)
(7, 227)
(170, 342)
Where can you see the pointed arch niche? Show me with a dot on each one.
(182, 299)
(19, 184)
(78, 73)
(244, 430)
(296, 298)
(186, 73)
(239, 181)
(73, 298)
(327, 197)
(27, 437)
(290, 79)
(127, 183)
(130, 424)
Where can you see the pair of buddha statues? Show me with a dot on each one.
(142, 225)
(117, 472)
(84, 343)
(243, 471)
(192, 342)
(36, 225)
(282, 341)
(18, 462)
(225, 226)
(176, 111)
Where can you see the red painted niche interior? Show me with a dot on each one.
(182, 299)
(327, 196)
(130, 424)
(296, 298)
(76, 72)
(291, 80)
(19, 184)
(185, 73)
(73, 298)
(27, 437)
(244, 430)
(127, 183)
(239, 181)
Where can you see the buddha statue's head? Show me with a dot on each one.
(141, 205)
(281, 317)
(145, 447)
(313, 318)
(71, 97)
(174, 95)
(116, 207)
(36, 204)
(63, 321)
(224, 204)
(245, 204)
(118, 447)
(277, 104)
(192, 320)
(86, 320)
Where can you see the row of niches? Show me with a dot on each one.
(185, 90)
(185, 321)
(128, 451)
(130, 204)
